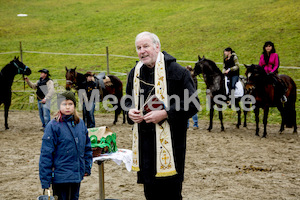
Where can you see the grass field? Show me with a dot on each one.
(186, 29)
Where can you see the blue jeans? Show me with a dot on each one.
(44, 111)
(232, 83)
(195, 120)
(88, 116)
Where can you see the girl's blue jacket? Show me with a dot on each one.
(66, 153)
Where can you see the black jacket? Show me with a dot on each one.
(42, 93)
(178, 79)
(229, 63)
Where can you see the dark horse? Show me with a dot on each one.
(262, 87)
(215, 85)
(7, 75)
(75, 80)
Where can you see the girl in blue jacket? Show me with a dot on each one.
(66, 153)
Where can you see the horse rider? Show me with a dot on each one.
(231, 68)
(269, 60)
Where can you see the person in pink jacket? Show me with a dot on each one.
(269, 60)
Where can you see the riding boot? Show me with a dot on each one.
(283, 99)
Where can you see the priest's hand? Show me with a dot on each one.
(135, 115)
(156, 116)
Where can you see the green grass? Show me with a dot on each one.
(186, 29)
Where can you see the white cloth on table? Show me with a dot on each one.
(124, 155)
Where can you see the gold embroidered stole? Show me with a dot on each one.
(164, 152)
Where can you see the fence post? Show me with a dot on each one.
(107, 61)
(21, 52)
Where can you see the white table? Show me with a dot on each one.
(122, 155)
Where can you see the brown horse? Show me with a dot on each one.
(266, 93)
(74, 79)
(7, 75)
(112, 86)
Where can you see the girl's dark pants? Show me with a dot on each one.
(66, 191)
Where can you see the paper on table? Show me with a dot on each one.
(124, 155)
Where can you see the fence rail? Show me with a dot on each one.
(113, 55)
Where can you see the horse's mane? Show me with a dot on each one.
(257, 69)
(6, 67)
(213, 66)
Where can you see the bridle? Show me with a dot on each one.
(250, 85)
(70, 82)
(20, 70)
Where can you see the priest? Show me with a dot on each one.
(159, 135)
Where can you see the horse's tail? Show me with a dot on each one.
(290, 105)
(290, 114)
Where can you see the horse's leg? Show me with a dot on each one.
(245, 114)
(211, 116)
(117, 112)
(256, 111)
(116, 116)
(294, 118)
(221, 117)
(295, 127)
(266, 113)
(246, 108)
(283, 119)
(239, 119)
(245, 118)
(124, 117)
(6, 108)
(237, 106)
(121, 110)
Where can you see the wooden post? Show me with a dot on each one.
(107, 61)
(101, 181)
(21, 52)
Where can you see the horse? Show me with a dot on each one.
(113, 86)
(7, 75)
(261, 86)
(215, 85)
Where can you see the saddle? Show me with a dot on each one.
(107, 81)
(275, 80)
(103, 80)
(239, 89)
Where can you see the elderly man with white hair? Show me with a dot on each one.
(159, 127)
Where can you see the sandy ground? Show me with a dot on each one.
(234, 164)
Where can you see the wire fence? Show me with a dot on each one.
(30, 94)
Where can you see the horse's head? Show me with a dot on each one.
(70, 78)
(198, 69)
(206, 67)
(254, 74)
(21, 68)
